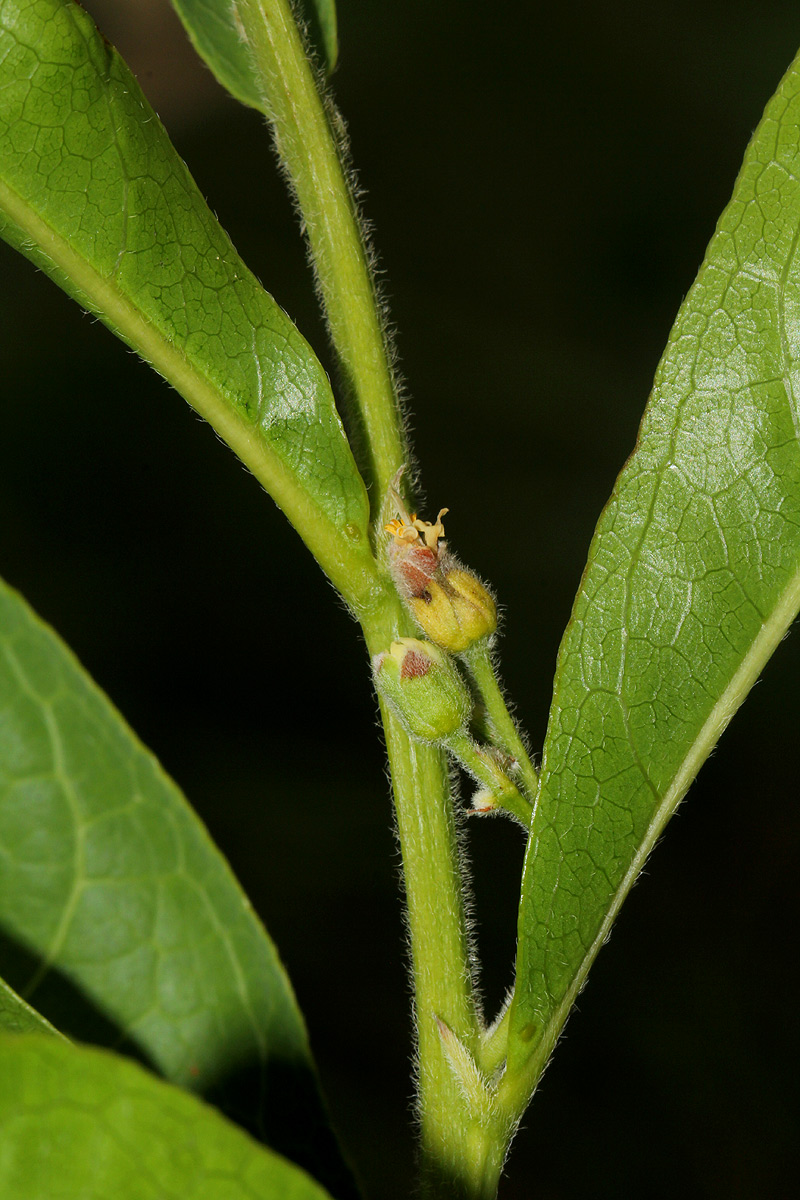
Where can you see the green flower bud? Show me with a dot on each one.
(424, 687)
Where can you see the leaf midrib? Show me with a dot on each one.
(349, 572)
(762, 647)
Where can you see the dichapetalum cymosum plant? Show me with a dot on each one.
(111, 891)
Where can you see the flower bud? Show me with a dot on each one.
(424, 687)
(455, 610)
(449, 603)
(484, 801)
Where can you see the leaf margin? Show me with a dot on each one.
(336, 530)
(533, 1035)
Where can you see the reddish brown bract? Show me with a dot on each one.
(415, 665)
(413, 565)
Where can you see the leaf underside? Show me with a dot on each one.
(120, 919)
(693, 578)
(80, 1124)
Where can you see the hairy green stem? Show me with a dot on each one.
(488, 773)
(436, 916)
(311, 155)
(479, 662)
(459, 1155)
(492, 1051)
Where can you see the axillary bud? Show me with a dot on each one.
(424, 687)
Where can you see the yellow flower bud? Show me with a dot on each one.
(455, 610)
(449, 603)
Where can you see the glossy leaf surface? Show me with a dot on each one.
(121, 920)
(78, 1123)
(92, 190)
(692, 580)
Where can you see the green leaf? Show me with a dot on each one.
(211, 26)
(215, 33)
(93, 192)
(16, 1016)
(693, 578)
(322, 15)
(123, 920)
(77, 1123)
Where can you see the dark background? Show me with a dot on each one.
(542, 184)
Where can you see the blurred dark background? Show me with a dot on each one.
(542, 185)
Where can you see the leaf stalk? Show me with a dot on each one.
(478, 660)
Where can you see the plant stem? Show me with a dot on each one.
(310, 152)
(488, 773)
(436, 919)
(494, 1044)
(479, 661)
(460, 1157)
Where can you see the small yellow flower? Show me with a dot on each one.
(407, 530)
